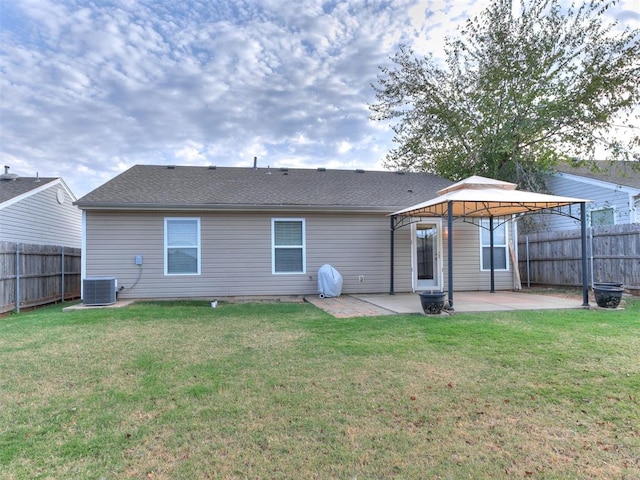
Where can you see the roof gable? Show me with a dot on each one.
(611, 171)
(21, 187)
(156, 187)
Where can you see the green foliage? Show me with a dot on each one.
(520, 91)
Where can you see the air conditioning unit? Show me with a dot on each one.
(99, 290)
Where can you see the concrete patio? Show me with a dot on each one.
(364, 305)
(367, 305)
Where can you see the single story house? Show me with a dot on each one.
(613, 187)
(38, 210)
(207, 232)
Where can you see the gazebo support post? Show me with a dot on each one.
(450, 253)
(583, 234)
(391, 243)
(493, 276)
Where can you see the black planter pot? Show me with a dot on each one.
(432, 302)
(608, 296)
(607, 284)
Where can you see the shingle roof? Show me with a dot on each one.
(155, 186)
(618, 173)
(18, 186)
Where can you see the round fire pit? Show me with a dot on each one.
(432, 302)
(607, 296)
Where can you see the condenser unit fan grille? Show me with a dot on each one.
(99, 291)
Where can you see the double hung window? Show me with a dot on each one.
(181, 246)
(288, 245)
(500, 257)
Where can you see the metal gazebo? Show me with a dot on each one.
(480, 197)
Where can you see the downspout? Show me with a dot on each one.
(583, 233)
(83, 253)
(450, 252)
(391, 259)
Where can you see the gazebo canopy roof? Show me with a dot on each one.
(485, 197)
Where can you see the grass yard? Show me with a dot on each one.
(183, 391)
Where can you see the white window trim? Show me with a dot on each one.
(502, 223)
(274, 247)
(166, 262)
(439, 281)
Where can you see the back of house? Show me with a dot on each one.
(209, 232)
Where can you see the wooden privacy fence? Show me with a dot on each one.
(554, 258)
(32, 275)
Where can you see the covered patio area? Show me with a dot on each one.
(366, 305)
(473, 200)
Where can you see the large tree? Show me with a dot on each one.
(524, 85)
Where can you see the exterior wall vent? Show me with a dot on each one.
(99, 290)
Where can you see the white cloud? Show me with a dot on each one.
(191, 153)
(90, 88)
(344, 147)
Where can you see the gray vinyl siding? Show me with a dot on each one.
(236, 254)
(40, 219)
(467, 275)
(600, 196)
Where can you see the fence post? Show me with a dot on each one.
(528, 271)
(17, 277)
(591, 257)
(62, 274)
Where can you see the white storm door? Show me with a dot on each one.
(426, 255)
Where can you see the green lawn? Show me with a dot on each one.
(181, 390)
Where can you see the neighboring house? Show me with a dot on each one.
(613, 187)
(38, 210)
(194, 232)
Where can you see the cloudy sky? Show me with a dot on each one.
(89, 88)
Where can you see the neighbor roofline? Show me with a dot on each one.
(597, 182)
(47, 183)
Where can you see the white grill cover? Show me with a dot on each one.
(329, 281)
